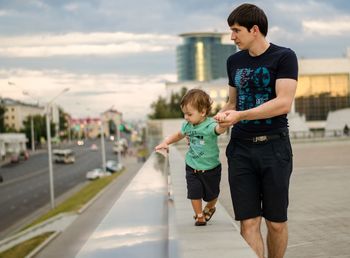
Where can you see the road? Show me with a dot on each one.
(26, 185)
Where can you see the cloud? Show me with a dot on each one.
(89, 94)
(336, 27)
(81, 44)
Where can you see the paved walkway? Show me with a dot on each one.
(319, 209)
(219, 238)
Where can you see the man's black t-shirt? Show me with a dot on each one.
(255, 80)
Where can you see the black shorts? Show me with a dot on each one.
(203, 185)
(259, 176)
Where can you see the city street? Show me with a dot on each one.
(26, 184)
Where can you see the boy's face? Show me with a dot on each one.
(192, 115)
(241, 36)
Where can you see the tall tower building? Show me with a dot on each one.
(202, 56)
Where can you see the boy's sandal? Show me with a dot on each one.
(208, 213)
(198, 222)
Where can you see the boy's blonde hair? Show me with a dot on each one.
(198, 99)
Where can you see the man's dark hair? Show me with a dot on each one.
(248, 15)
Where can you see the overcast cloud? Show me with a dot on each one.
(121, 52)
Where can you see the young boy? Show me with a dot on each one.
(203, 167)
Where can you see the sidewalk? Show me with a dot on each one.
(220, 238)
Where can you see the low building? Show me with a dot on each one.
(16, 112)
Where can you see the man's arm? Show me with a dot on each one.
(285, 92)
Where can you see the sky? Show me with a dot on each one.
(120, 53)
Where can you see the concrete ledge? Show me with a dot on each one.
(220, 238)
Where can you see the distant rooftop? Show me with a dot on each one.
(324, 66)
(202, 34)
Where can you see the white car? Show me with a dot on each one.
(113, 166)
(97, 173)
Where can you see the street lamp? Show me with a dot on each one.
(49, 149)
(103, 150)
(31, 121)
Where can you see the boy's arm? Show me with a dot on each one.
(169, 140)
(219, 129)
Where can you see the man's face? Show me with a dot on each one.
(241, 36)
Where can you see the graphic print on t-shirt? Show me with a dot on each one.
(252, 89)
(197, 144)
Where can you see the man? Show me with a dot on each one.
(262, 84)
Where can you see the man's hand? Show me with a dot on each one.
(228, 118)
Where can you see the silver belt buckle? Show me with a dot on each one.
(262, 138)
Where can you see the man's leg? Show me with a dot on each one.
(250, 230)
(277, 239)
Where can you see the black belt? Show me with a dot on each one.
(265, 138)
(201, 171)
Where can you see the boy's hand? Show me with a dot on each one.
(220, 117)
(161, 146)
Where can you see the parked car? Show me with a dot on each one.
(97, 173)
(14, 158)
(113, 166)
(93, 147)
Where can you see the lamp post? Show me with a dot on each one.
(32, 132)
(103, 151)
(49, 149)
(31, 121)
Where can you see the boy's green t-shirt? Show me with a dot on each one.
(203, 153)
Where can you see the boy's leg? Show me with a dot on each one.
(197, 208)
(212, 203)
(209, 209)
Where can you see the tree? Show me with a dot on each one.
(2, 116)
(63, 122)
(39, 123)
(162, 109)
(112, 127)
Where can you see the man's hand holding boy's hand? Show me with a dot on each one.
(228, 118)
(220, 117)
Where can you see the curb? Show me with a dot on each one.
(89, 203)
(42, 245)
(31, 229)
